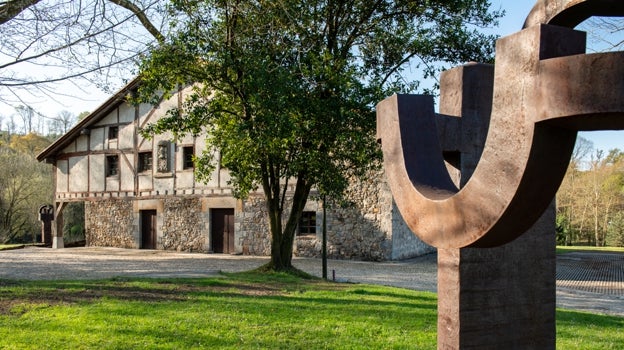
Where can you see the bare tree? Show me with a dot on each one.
(63, 121)
(81, 41)
(27, 114)
(604, 33)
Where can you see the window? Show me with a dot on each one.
(145, 161)
(307, 224)
(113, 132)
(112, 165)
(187, 157)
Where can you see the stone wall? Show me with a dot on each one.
(252, 230)
(405, 244)
(110, 223)
(184, 228)
(367, 227)
(357, 229)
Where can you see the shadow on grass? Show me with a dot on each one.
(218, 313)
(270, 288)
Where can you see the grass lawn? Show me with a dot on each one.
(10, 246)
(241, 311)
(569, 249)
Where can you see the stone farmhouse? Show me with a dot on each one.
(141, 193)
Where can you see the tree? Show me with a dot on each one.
(94, 40)
(61, 124)
(615, 231)
(591, 197)
(604, 33)
(82, 115)
(25, 184)
(30, 144)
(286, 89)
(570, 194)
(27, 114)
(73, 222)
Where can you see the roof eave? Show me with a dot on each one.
(49, 153)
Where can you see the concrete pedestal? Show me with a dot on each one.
(57, 243)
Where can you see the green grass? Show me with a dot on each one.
(240, 311)
(582, 331)
(10, 246)
(569, 249)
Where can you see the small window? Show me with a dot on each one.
(187, 157)
(145, 161)
(112, 165)
(307, 224)
(113, 132)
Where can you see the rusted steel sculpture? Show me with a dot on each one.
(545, 90)
(494, 226)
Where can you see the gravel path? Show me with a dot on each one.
(587, 282)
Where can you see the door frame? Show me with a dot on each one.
(152, 223)
(222, 219)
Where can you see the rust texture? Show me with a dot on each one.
(477, 180)
(545, 90)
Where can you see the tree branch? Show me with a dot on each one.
(140, 14)
(10, 9)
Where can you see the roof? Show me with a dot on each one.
(113, 102)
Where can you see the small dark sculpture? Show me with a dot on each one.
(46, 216)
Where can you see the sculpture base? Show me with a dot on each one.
(57, 243)
(500, 298)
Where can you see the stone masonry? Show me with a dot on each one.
(109, 223)
(367, 227)
(182, 225)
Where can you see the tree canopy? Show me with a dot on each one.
(285, 90)
(590, 200)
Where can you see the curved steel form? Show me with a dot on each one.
(545, 90)
(570, 13)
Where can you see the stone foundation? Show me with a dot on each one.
(183, 226)
(110, 223)
(252, 230)
(368, 227)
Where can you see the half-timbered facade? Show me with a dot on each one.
(142, 193)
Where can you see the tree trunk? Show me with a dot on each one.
(282, 238)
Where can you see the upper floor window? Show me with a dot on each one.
(307, 223)
(112, 165)
(187, 157)
(145, 161)
(113, 132)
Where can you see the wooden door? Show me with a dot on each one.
(148, 229)
(223, 231)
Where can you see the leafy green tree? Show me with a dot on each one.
(285, 90)
(591, 198)
(25, 184)
(73, 222)
(615, 230)
(30, 144)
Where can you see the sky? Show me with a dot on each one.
(516, 12)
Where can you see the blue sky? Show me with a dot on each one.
(516, 12)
